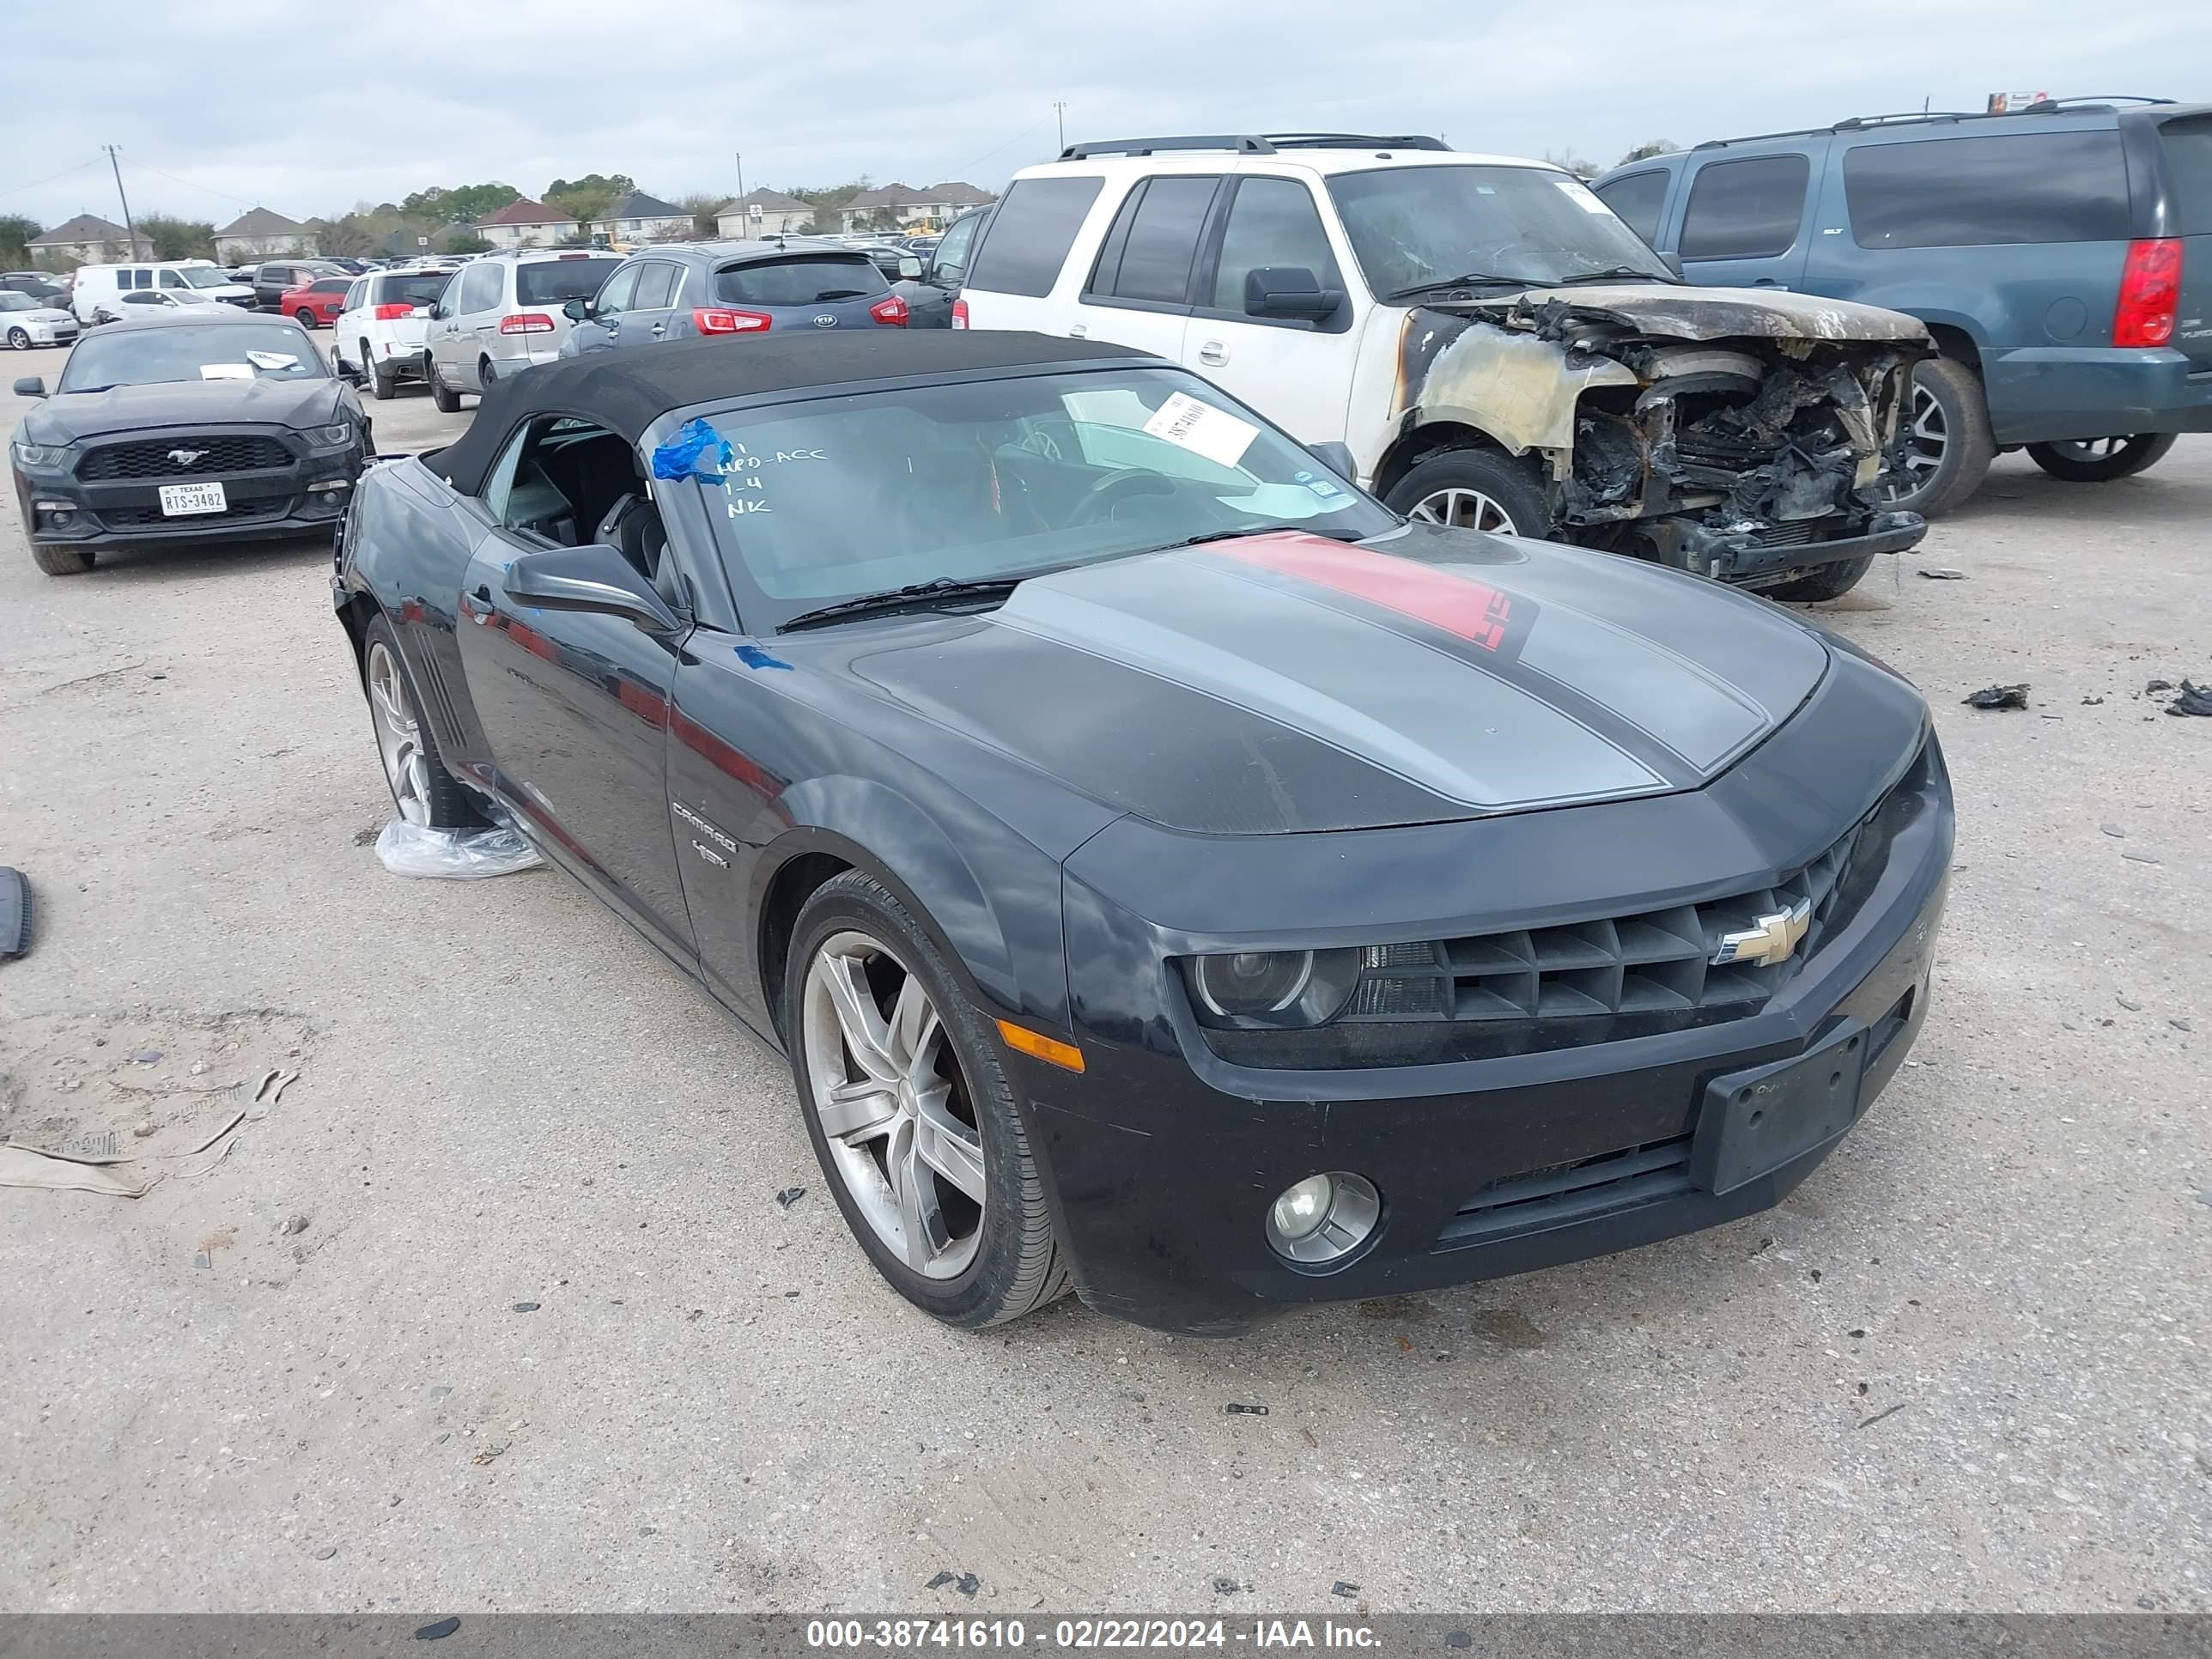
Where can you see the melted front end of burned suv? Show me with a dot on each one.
(1747, 439)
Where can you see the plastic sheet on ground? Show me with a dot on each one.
(413, 849)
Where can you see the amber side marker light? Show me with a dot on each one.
(1044, 1047)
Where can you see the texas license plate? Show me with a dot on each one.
(179, 500)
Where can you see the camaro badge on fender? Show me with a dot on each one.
(1770, 940)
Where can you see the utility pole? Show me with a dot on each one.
(116, 167)
(740, 155)
(1059, 113)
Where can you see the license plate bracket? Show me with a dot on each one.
(180, 501)
(1756, 1120)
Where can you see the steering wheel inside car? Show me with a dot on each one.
(1096, 504)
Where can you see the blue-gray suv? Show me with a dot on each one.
(2060, 254)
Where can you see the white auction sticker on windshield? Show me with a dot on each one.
(1203, 429)
(1581, 195)
(226, 371)
(272, 360)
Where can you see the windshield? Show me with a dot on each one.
(841, 496)
(556, 281)
(1410, 225)
(11, 301)
(800, 280)
(191, 351)
(204, 276)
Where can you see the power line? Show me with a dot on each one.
(188, 184)
(16, 189)
(955, 172)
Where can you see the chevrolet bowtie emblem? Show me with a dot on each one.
(1770, 939)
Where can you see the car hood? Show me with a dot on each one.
(1713, 313)
(70, 416)
(1286, 683)
(36, 314)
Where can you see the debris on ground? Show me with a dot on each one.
(437, 1630)
(2133, 1007)
(21, 1167)
(966, 1582)
(415, 849)
(525, 1307)
(2157, 686)
(2133, 856)
(148, 1056)
(2194, 700)
(789, 1196)
(326, 1552)
(1868, 1422)
(489, 1455)
(292, 1224)
(1226, 1587)
(1235, 1408)
(1940, 573)
(1339, 1587)
(1999, 696)
(2180, 1022)
(2092, 702)
(15, 913)
(2114, 831)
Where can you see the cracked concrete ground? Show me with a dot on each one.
(496, 1310)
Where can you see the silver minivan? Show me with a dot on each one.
(502, 312)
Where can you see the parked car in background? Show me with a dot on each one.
(944, 271)
(312, 304)
(381, 329)
(45, 287)
(2060, 255)
(96, 287)
(734, 288)
(1171, 877)
(157, 302)
(174, 427)
(25, 321)
(351, 266)
(502, 312)
(276, 278)
(1496, 349)
(896, 262)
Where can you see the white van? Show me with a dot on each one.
(99, 287)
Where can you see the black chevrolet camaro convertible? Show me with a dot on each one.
(1171, 876)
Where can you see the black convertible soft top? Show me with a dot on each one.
(626, 390)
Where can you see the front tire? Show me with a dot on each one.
(19, 339)
(2101, 460)
(1473, 489)
(447, 403)
(61, 561)
(1948, 444)
(423, 791)
(911, 1114)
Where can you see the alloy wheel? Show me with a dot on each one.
(1927, 441)
(893, 1104)
(399, 738)
(1464, 509)
(2089, 451)
(19, 339)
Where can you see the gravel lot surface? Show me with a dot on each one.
(494, 1309)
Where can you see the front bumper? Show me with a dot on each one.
(44, 334)
(2053, 394)
(306, 497)
(1163, 1166)
(1754, 556)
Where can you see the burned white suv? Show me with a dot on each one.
(1493, 346)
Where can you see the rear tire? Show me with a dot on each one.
(486, 377)
(1948, 423)
(1829, 581)
(423, 791)
(998, 1258)
(378, 375)
(1473, 489)
(448, 403)
(2085, 463)
(61, 561)
(306, 319)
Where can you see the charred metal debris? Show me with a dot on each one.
(1735, 457)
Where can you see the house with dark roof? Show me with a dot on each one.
(87, 240)
(525, 223)
(262, 234)
(638, 217)
(763, 213)
(937, 205)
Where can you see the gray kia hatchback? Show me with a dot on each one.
(692, 288)
(2061, 255)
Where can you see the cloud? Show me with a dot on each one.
(217, 112)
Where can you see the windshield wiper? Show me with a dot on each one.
(1471, 279)
(913, 596)
(1260, 530)
(1614, 274)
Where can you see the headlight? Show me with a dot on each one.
(1281, 989)
(37, 454)
(340, 434)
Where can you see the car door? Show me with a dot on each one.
(610, 312)
(647, 320)
(1746, 222)
(469, 303)
(1139, 293)
(1298, 371)
(944, 272)
(573, 705)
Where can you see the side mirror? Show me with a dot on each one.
(30, 386)
(910, 267)
(1337, 458)
(595, 578)
(347, 372)
(1673, 262)
(577, 311)
(1288, 291)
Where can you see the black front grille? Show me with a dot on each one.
(1657, 961)
(132, 517)
(156, 457)
(1567, 1192)
(1799, 534)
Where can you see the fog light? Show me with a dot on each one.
(1323, 1218)
(329, 484)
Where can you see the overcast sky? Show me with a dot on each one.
(311, 112)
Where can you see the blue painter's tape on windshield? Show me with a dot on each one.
(697, 451)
